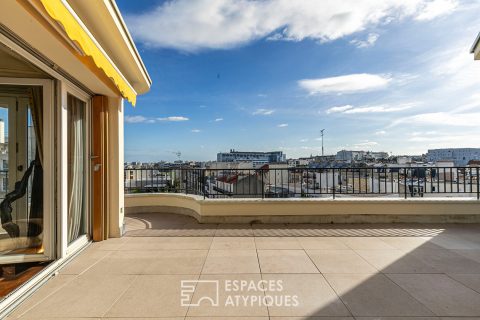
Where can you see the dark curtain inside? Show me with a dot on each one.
(35, 217)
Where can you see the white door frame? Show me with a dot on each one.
(48, 172)
(65, 247)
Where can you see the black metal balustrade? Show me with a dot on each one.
(302, 182)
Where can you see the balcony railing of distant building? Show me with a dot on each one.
(309, 183)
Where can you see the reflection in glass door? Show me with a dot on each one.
(76, 122)
(21, 172)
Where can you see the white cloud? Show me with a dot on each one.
(193, 25)
(379, 109)
(173, 119)
(380, 132)
(263, 112)
(196, 130)
(361, 82)
(339, 109)
(142, 119)
(365, 144)
(218, 119)
(135, 119)
(303, 140)
(441, 119)
(456, 66)
(370, 41)
(436, 8)
(466, 139)
(348, 109)
(283, 125)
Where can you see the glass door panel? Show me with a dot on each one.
(77, 156)
(21, 173)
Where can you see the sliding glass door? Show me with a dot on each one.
(26, 230)
(76, 168)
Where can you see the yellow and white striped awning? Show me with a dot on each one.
(61, 12)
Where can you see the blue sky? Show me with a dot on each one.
(393, 76)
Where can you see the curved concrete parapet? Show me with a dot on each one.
(309, 210)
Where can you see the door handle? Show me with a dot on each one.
(97, 167)
(20, 168)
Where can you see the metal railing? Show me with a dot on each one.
(302, 182)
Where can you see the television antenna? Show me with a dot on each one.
(321, 134)
(177, 153)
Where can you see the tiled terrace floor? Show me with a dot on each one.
(332, 271)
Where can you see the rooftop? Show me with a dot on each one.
(344, 271)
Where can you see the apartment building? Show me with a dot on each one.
(460, 156)
(256, 157)
(65, 70)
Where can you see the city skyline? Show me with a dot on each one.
(396, 77)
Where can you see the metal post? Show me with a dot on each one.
(204, 184)
(186, 180)
(263, 185)
(333, 182)
(321, 133)
(405, 180)
(478, 184)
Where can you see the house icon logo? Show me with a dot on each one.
(188, 289)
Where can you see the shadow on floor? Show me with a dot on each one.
(416, 271)
(165, 224)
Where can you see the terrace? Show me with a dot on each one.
(370, 269)
(339, 271)
(78, 242)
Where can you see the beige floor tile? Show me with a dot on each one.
(270, 230)
(441, 294)
(152, 262)
(85, 260)
(227, 305)
(285, 261)
(447, 261)
(231, 261)
(311, 318)
(228, 243)
(234, 230)
(453, 241)
(375, 295)
(410, 243)
(395, 261)
(340, 261)
(157, 220)
(52, 285)
(186, 230)
(151, 296)
(365, 243)
(458, 318)
(322, 243)
(470, 254)
(397, 318)
(32, 317)
(469, 280)
(110, 244)
(149, 318)
(277, 243)
(167, 243)
(314, 296)
(227, 318)
(84, 296)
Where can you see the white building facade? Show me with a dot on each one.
(460, 156)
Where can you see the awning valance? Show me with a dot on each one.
(61, 12)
